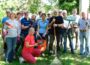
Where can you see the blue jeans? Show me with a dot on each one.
(11, 43)
(82, 38)
(68, 34)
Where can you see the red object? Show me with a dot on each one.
(30, 57)
(29, 53)
(5, 32)
(9, 25)
(42, 45)
(31, 41)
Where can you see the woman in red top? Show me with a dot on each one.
(29, 52)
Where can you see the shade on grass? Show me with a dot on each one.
(66, 59)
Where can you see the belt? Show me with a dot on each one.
(83, 30)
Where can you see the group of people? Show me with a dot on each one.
(21, 31)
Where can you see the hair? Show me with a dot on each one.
(18, 13)
(31, 29)
(43, 14)
(39, 12)
(12, 13)
(64, 11)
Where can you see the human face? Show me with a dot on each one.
(64, 14)
(74, 11)
(18, 16)
(13, 15)
(26, 14)
(43, 17)
(83, 14)
(33, 17)
(31, 31)
(8, 14)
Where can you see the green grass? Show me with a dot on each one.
(66, 59)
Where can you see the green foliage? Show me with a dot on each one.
(68, 4)
(47, 7)
(34, 5)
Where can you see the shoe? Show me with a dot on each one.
(21, 60)
(43, 54)
(88, 55)
(7, 61)
(51, 52)
(73, 52)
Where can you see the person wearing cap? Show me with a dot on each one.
(11, 36)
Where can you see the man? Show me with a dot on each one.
(55, 25)
(75, 17)
(67, 33)
(83, 31)
(3, 31)
(39, 15)
(25, 25)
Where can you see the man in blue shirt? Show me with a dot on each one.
(25, 25)
(83, 27)
(3, 22)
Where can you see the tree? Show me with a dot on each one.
(68, 4)
(33, 5)
(47, 7)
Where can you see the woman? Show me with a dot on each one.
(43, 26)
(29, 52)
(11, 36)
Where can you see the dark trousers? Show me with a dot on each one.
(52, 39)
(19, 45)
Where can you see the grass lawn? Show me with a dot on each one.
(66, 59)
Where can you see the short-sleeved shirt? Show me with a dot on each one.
(4, 20)
(82, 24)
(31, 41)
(25, 22)
(34, 24)
(42, 26)
(59, 20)
(12, 32)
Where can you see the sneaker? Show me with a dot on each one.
(7, 61)
(21, 60)
(51, 52)
(43, 54)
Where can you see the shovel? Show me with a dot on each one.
(55, 61)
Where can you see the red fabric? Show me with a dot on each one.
(31, 41)
(30, 57)
(30, 53)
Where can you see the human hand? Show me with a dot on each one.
(54, 25)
